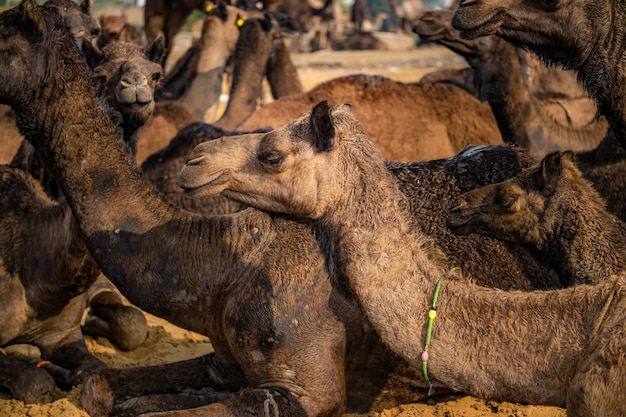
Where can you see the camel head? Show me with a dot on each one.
(515, 210)
(288, 170)
(128, 76)
(78, 18)
(565, 32)
(436, 26)
(24, 35)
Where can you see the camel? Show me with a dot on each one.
(486, 342)
(196, 78)
(551, 208)
(407, 13)
(256, 43)
(161, 170)
(128, 76)
(168, 17)
(78, 18)
(116, 27)
(500, 77)
(233, 278)
(567, 34)
(44, 287)
(555, 36)
(445, 129)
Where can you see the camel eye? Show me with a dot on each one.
(273, 159)
(508, 201)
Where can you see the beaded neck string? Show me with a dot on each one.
(432, 313)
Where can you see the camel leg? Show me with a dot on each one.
(124, 325)
(266, 402)
(25, 381)
(72, 363)
(170, 386)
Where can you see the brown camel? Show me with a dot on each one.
(556, 35)
(196, 79)
(560, 347)
(116, 27)
(500, 77)
(554, 210)
(44, 287)
(255, 45)
(233, 278)
(128, 76)
(448, 117)
(565, 33)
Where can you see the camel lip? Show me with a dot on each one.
(457, 223)
(428, 36)
(205, 185)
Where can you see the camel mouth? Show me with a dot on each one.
(427, 32)
(458, 223)
(471, 24)
(201, 185)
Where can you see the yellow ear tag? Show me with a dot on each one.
(208, 8)
(239, 22)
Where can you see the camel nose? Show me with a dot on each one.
(133, 79)
(467, 2)
(194, 160)
(458, 206)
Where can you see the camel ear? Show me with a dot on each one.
(85, 5)
(322, 127)
(156, 51)
(266, 23)
(551, 167)
(31, 15)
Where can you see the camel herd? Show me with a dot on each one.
(306, 237)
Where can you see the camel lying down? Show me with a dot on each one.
(554, 211)
(563, 347)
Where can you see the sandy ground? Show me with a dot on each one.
(167, 343)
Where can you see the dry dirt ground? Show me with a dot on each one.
(167, 343)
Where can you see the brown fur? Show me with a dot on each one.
(555, 211)
(556, 35)
(196, 79)
(501, 79)
(257, 40)
(561, 348)
(116, 27)
(44, 286)
(253, 282)
(448, 117)
(567, 33)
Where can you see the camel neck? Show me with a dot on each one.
(581, 238)
(602, 71)
(393, 270)
(386, 261)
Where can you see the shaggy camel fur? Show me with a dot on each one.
(44, 286)
(448, 117)
(554, 210)
(564, 32)
(555, 34)
(561, 347)
(500, 77)
(233, 278)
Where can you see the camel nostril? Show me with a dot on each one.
(195, 161)
(467, 2)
